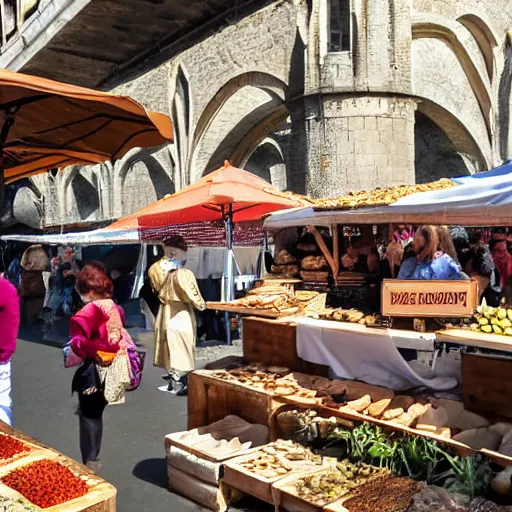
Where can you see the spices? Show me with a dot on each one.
(46, 483)
(387, 494)
(326, 487)
(9, 447)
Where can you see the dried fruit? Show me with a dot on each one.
(46, 483)
(9, 447)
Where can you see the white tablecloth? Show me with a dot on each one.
(359, 353)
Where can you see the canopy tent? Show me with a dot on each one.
(484, 199)
(47, 124)
(96, 237)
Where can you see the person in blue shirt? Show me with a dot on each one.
(429, 263)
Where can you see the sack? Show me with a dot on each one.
(136, 367)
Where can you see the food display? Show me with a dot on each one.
(275, 380)
(380, 196)
(325, 487)
(11, 447)
(492, 320)
(285, 265)
(353, 316)
(280, 458)
(385, 494)
(45, 483)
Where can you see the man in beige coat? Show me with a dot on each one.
(175, 327)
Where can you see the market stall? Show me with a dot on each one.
(35, 477)
(449, 395)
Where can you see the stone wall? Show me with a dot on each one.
(266, 93)
(358, 143)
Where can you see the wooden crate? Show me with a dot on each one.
(100, 498)
(285, 498)
(211, 399)
(274, 343)
(487, 385)
(255, 485)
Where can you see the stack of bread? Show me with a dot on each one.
(285, 265)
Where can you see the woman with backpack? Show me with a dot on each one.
(110, 363)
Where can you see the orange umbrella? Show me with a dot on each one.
(48, 124)
(228, 193)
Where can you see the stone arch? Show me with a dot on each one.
(484, 37)
(82, 198)
(264, 81)
(142, 180)
(441, 84)
(442, 29)
(267, 161)
(245, 136)
(461, 139)
(242, 104)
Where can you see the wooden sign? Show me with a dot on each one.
(419, 298)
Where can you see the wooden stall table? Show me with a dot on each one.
(211, 399)
(101, 496)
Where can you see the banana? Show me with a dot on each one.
(483, 321)
(486, 328)
(502, 313)
(505, 323)
(497, 329)
(508, 331)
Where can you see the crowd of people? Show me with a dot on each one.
(438, 253)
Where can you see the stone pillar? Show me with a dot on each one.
(358, 143)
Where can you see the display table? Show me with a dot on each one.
(101, 496)
(357, 352)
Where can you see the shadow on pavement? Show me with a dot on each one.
(153, 471)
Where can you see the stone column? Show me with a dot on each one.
(358, 143)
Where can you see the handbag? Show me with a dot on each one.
(136, 359)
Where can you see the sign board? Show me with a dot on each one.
(419, 298)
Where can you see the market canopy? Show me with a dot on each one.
(226, 192)
(484, 199)
(48, 124)
(96, 237)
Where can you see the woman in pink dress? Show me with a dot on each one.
(9, 324)
(96, 328)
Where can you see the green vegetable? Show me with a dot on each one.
(416, 457)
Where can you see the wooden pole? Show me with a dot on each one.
(325, 250)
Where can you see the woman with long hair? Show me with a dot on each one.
(445, 242)
(97, 335)
(429, 263)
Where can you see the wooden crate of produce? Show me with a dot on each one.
(487, 385)
(238, 477)
(211, 399)
(274, 343)
(101, 496)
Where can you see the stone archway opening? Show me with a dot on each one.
(267, 162)
(144, 182)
